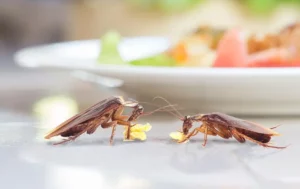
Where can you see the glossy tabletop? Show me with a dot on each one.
(28, 161)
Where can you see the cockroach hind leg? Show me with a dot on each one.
(260, 143)
(65, 140)
(270, 146)
(71, 138)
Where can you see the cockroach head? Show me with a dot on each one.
(139, 108)
(186, 118)
(187, 124)
(137, 112)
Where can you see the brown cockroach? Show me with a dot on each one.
(106, 113)
(226, 126)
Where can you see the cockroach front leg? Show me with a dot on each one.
(114, 124)
(210, 131)
(128, 124)
(121, 120)
(138, 110)
(196, 131)
(187, 137)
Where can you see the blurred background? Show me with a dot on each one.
(26, 23)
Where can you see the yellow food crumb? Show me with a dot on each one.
(178, 136)
(137, 132)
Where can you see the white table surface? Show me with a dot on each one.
(90, 162)
(30, 163)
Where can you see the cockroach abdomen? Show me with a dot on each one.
(73, 131)
(264, 138)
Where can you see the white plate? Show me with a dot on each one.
(236, 91)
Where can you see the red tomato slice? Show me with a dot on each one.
(232, 50)
(273, 58)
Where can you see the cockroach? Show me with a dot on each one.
(226, 126)
(106, 113)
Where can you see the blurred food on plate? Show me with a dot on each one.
(281, 49)
(216, 47)
(197, 48)
(287, 37)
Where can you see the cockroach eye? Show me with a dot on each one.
(186, 117)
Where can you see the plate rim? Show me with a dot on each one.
(150, 70)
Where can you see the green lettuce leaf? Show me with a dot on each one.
(158, 60)
(109, 53)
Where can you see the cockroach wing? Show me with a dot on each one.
(260, 129)
(97, 110)
(244, 124)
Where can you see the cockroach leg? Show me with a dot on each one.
(128, 132)
(121, 119)
(92, 129)
(196, 131)
(217, 131)
(72, 137)
(64, 141)
(193, 133)
(225, 134)
(118, 114)
(112, 133)
(106, 125)
(95, 124)
(257, 142)
(205, 135)
(210, 131)
(110, 124)
(237, 135)
(182, 141)
(125, 123)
